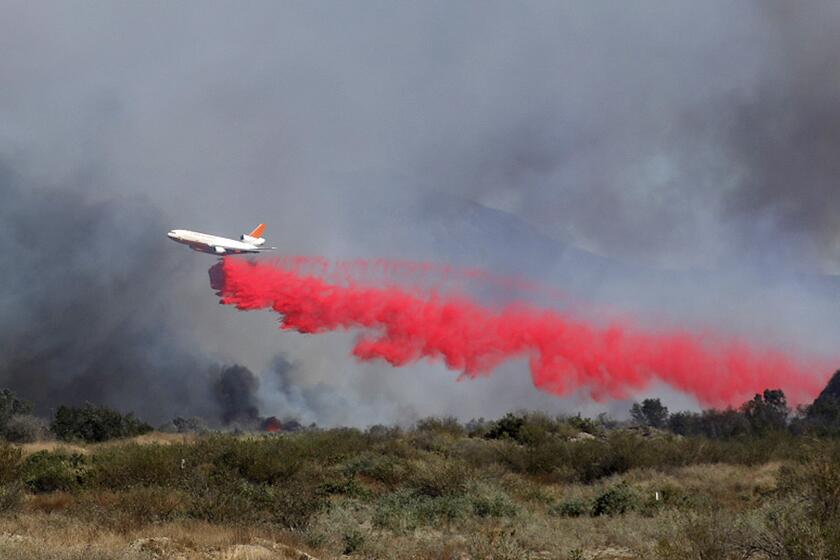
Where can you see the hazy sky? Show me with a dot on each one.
(662, 135)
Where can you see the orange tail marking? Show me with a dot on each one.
(258, 231)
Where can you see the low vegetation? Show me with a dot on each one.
(437, 491)
(757, 482)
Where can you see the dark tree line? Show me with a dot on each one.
(88, 423)
(765, 413)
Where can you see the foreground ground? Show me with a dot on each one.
(551, 491)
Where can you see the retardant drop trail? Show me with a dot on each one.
(565, 353)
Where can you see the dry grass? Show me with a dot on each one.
(154, 437)
(48, 528)
(150, 438)
(49, 536)
(419, 495)
(31, 448)
(731, 487)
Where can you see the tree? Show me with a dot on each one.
(685, 423)
(10, 406)
(507, 427)
(722, 424)
(768, 412)
(650, 413)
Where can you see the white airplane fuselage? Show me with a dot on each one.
(215, 245)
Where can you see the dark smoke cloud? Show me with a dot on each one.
(235, 391)
(85, 304)
(784, 136)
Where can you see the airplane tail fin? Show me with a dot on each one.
(258, 231)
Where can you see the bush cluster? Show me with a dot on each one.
(91, 423)
(88, 423)
(47, 471)
(617, 499)
(536, 428)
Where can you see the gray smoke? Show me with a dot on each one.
(784, 137)
(84, 304)
(594, 147)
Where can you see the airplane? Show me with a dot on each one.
(214, 245)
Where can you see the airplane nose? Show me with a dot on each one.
(170, 235)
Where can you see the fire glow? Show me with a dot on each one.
(402, 326)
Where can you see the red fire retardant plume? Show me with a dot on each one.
(403, 326)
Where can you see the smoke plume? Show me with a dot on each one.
(83, 313)
(564, 353)
(236, 393)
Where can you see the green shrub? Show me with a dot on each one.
(815, 479)
(405, 510)
(532, 429)
(342, 486)
(710, 536)
(813, 484)
(383, 468)
(478, 453)
(220, 498)
(445, 425)
(295, 504)
(48, 471)
(263, 460)
(575, 554)
(671, 496)
(124, 466)
(439, 477)
(489, 501)
(594, 460)
(585, 461)
(585, 425)
(353, 541)
(616, 500)
(331, 446)
(571, 508)
(220, 495)
(92, 423)
(789, 530)
(543, 459)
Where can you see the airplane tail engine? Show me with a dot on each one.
(252, 240)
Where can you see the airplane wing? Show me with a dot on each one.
(244, 251)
